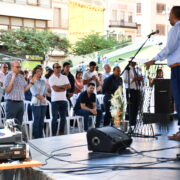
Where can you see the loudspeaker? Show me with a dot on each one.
(149, 118)
(107, 139)
(163, 97)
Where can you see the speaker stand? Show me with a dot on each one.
(141, 129)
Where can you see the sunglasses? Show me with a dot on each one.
(57, 67)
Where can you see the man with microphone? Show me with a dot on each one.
(172, 53)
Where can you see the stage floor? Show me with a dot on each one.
(70, 159)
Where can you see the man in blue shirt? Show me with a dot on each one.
(172, 53)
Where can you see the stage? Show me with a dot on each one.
(67, 157)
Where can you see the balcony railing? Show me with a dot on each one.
(122, 23)
(39, 3)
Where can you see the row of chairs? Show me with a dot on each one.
(48, 122)
(77, 121)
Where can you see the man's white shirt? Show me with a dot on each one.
(87, 75)
(58, 81)
(131, 76)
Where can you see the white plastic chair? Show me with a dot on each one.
(100, 98)
(3, 113)
(48, 122)
(26, 122)
(71, 117)
(79, 119)
(93, 118)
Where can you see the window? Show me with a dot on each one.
(130, 17)
(4, 20)
(160, 8)
(138, 8)
(122, 17)
(114, 15)
(161, 28)
(29, 23)
(139, 29)
(40, 24)
(16, 21)
(57, 17)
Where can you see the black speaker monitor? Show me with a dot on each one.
(107, 139)
(163, 96)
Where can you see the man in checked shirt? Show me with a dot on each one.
(15, 86)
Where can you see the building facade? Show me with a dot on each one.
(153, 15)
(120, 19)
(85, 17)
(25, 13)
(59, 23)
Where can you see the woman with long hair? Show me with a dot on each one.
(39, 104)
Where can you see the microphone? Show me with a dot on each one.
(155, 32)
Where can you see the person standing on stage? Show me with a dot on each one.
(172, 53)
(132, 84)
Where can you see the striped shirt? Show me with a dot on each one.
(17, 91)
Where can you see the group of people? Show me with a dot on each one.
(59, 85)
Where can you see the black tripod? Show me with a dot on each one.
(127, 68)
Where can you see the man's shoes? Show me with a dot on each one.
(175, 137)
(61, 133)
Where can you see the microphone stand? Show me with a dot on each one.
(127, 68)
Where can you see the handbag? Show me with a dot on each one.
(34, 100)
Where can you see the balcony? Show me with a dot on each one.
(122, 24)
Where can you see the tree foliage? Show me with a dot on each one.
(92, 43)
(23, 42)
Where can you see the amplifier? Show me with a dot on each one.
(18, 151)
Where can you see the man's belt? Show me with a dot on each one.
(13, 100)
(174, 65)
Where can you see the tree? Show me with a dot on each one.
(92, 43)
(23, 42)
